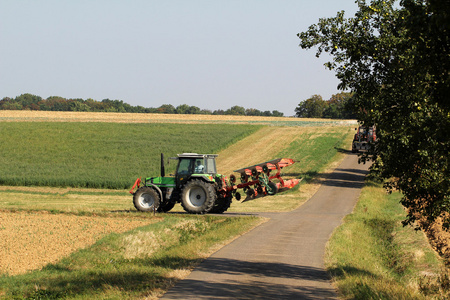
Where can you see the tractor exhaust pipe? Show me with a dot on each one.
(163, 170)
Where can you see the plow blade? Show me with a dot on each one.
(288, 183)
(271, 165)
(257, 180)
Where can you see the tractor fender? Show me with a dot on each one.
(157, 189)
(205, 177)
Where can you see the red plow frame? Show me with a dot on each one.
(259, 175)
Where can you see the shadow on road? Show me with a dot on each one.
(257, 269)
(342, 150)
(352, 178)
(278, 286)
(349, 178)
(240, 290)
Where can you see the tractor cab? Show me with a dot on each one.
(195, 165)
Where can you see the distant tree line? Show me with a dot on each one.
(337, 107)
(55, 103)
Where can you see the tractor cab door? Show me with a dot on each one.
(187, 167)
(194, 166)
(184, 170)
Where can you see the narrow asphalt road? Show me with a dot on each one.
(282, 258)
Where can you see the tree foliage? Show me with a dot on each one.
(56, 103)
(335, 108)
(312, 107)
(394, 57)
(338, 107)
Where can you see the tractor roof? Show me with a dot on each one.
(195, 155)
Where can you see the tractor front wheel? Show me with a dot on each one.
(198, 197)
(146, 199)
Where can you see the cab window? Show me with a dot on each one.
(184, 166)
(199, 166)
(211, 166)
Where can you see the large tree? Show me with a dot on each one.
(394, 57)
(337, 107)
(236, 110)
(313, 107)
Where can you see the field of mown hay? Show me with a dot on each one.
(29, 240)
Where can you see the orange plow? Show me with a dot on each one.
(258, 180)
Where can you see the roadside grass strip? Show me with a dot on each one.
(372, 256)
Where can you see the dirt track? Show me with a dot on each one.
(30, 240)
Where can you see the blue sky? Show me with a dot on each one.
(213, 54)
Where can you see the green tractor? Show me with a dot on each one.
(196, 185)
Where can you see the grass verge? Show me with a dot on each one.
(372, 256)
(141, 263)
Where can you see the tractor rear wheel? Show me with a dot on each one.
(166, 206)
(221, 205)
(146, 199)
(198, 197)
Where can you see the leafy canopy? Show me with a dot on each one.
(312, 107)
(334, 108)
(394, 57)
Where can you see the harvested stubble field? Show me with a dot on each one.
(63, 231)
(30, 240)
(55, 116)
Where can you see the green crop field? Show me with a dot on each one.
(101, 155)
